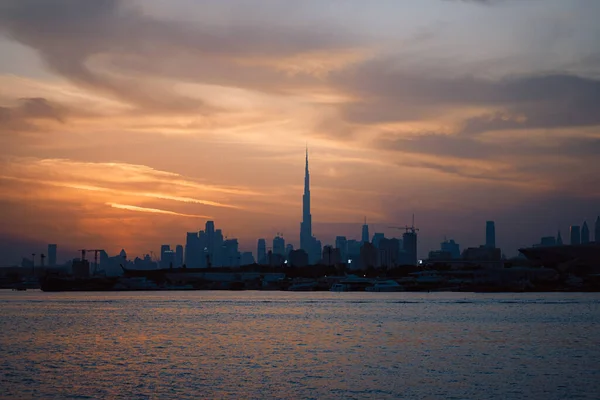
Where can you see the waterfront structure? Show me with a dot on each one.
(585, 233)
(575, 235)
(261, 252)
(490, 234)
(52, 255)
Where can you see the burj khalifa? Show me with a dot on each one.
(306, 238)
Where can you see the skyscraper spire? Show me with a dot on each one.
(306, 224)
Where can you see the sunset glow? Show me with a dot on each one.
(124, 124)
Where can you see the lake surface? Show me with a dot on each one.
(189, 345)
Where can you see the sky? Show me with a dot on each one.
(126, 124)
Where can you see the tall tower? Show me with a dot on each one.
(306, 224)
(490, 234)
(575, 235)
(364, 237)
(585, 233)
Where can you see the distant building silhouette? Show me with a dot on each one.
(547, 241)
(353, 247)
(597, 230)
(247, 258)
(368, 256)
(178, 256)
(450, 247)
(193, 251)
(487, 256)
(52, 255)
(331, 255)
(575, 235)
(389, 252)
(261, 252)
(298, 258)
(288, 249)
(490, 234)
(409, 239)
(164, 262)
(341, 243)
(585, 233)
(230, 255)
(279, 246)
(365, 233)
(559, 241)
(377, 238)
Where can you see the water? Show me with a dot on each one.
(189, 345)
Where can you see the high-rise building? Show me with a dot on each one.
(193, 253)
(261, 252)
(164, 261)
(342, 243)
(585, 233)
(306, 237)
(331, 255)
(490, 234)
(409, 239)
(230, 255)
(247, 258)
(279, 245)
(451, 247)
(178, 256)
(218, 256)
(389, 252)
(597, 230)
(575, 235)
(365, 233)
(377, 238)
(288, 249)
(167, 259)
(52, 255)
(559, 241)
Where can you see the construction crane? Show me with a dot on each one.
(407, 228)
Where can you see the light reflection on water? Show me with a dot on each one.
(299, 345)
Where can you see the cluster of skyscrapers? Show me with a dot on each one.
(210, 248)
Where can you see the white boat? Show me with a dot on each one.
(385, 286)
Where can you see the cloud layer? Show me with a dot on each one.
(163, 115)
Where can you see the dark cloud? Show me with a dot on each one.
(567, 161)
(389, 92)
(21, 117)
(80, 40)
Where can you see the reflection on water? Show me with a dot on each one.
(299, 345)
